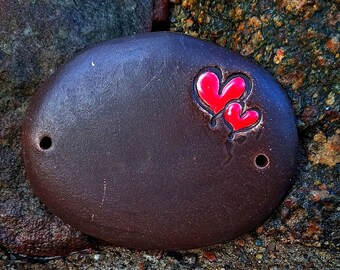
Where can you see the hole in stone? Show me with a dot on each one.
(45, 143)
(261, 161)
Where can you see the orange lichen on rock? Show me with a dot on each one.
(333, 45)
(253, 44)
(326, 150)
(313, 228)
(237, 13)
(254, 22)
(280, 54)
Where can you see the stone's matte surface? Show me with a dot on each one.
(120, 145)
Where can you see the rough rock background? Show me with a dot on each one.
(297, 41)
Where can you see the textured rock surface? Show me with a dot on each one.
(298, 42)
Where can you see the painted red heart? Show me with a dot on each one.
(208, 88)
(238, 120)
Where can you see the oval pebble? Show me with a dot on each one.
(160, 141)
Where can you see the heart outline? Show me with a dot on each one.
(213, 95)
(239, 119)
(236, 123)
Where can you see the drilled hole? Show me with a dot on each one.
(261, 161)
(45, 143)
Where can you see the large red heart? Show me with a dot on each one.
(238, 120)
(208, 88)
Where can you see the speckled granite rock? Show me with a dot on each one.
(298, 42)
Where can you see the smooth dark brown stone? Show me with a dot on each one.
(144, 142)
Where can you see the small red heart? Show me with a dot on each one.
(208, 88)
(238, 120)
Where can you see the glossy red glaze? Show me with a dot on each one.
(238, 120)
(208, 86)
